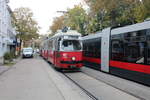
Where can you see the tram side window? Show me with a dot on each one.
(87, 48)
(97, 48)
(50, 44)
(134, 52)
(148, 46)
(57, 44)
(117, 50)
(92, 48)
(148, 50)
(84, 48)
(135, 49)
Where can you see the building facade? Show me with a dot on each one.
(7, 32)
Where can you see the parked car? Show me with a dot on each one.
(27, 52)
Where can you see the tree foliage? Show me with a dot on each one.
(76, 18)
(112, 13)
(58, 23)
(25, 24)
(106, 13)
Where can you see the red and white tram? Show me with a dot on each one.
(64, 50)
(123, 51)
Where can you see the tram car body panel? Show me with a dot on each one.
(128, 51)
(68, 60)
(92, 50)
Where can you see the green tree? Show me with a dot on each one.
(76, 19)
(25, 24)
(146, 4)
(58, 24)
(110, 13)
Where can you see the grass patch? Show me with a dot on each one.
(9, 64)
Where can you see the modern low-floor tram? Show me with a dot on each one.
(123, 51)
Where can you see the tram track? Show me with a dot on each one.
(94, 88)
(90, 93)
(130, 87)
(82, 88)
(116, 87)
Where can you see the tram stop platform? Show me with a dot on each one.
(35, 79)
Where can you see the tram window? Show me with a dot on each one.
(141, 33)
(88, 49)
(92, 48)
(70, 45)
(98, 48)
(117, 50)
(148, 51)
(134, 52)
(84, 48)
(50, 44)
(148, 32)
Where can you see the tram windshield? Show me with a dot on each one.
(71, 45)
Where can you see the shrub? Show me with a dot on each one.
(8, 56)
(12, 55)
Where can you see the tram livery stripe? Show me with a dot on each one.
(131, 66)
(93, 60)
(123, 65)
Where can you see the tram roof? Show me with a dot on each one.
(92, 36)
(131, 28)
(121, 30)
(69, 32)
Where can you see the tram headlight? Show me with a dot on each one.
(73, 58)
(65, 55)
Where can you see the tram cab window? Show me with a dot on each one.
(71, 45)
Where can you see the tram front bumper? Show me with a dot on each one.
(71, 64)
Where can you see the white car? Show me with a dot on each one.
(27, 52)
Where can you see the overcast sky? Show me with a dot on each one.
(44, 10)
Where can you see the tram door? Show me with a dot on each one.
(105, 50)
(57, 50)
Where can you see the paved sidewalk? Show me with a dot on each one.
(3, 69)
(34, 79)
